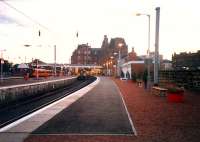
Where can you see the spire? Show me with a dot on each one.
(105, 42)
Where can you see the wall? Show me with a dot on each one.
(18, 92)
(189, 79)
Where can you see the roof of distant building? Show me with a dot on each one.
(167, 61)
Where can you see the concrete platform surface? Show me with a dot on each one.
(101, 111)
(155, 119)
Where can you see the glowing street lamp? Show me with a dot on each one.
(2, 62)
(119, 59)
(148, 50)
(107, 68)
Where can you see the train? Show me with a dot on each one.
(40, 73)
(43, 73)
(83, 74)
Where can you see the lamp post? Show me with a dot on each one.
(156, 58)
(54, 70)
(112, 66)
(2, 62)
(37, 76)
(148, 50)
(110, 63)
(119, 59)
(55, 60)
(37, 63)
(106, 68)
(116, 64)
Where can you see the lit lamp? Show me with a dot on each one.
(103, 68)
(111, 67)
(2, 62)
(148, 51)
(119, 59)
(111, 58)
(106, 67)
(115, 66)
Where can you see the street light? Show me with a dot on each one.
(119, 59)
(2, 62)
(37, 76)
(148, 50)
(156, 57)
(112, 65)
(55, 60)
(116, 65)
(106, 68)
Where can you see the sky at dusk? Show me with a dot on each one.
(60, 20)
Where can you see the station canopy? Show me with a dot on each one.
(22, 66)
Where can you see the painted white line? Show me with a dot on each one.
(77, 95)
(84, 134)
(6, 78)
(129, 117)
(36, 83)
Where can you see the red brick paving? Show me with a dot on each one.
(155, 119)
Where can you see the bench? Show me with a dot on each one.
(158, 91)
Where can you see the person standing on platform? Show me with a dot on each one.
(145, 79)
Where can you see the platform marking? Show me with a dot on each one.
(129, 117)
(83, 134)
(78, 95)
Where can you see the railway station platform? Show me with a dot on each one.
(154, 118)
(97, 109)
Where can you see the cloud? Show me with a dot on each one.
(6, 20)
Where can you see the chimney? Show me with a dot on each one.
(133, 49)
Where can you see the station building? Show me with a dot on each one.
(106, 56)
(85, 55)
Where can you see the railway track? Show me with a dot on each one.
(16, 111)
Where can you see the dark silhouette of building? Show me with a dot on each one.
(186, 61)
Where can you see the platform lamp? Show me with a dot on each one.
(119, 59)
(115, 54)
(112, 64)
(148, 50)
(2, 62)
